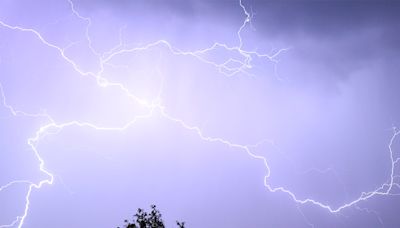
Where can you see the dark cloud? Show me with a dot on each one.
(325, 18)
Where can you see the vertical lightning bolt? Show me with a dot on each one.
(244, 64)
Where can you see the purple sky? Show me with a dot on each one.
(223, 113)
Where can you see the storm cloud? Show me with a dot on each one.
(130, 103)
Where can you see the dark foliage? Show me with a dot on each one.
(149, 220)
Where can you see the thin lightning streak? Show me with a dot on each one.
(14, 183)
(304, 217)
(329, 170)
(363, 197)
(89, 23)
(52, 127)
(43, 131)
(245, 22)
(15, 112)
(12, 224)
(371, 212)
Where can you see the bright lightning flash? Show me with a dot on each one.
(390, 187)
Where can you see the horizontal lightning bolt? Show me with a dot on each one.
(52, 127)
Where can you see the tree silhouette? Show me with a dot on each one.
(149, 220)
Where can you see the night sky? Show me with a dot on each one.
(223, 113)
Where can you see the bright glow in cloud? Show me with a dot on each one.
(108, 107)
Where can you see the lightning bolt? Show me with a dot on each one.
(387, 188)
